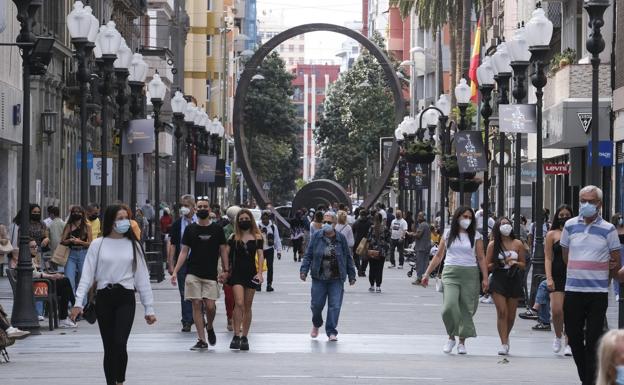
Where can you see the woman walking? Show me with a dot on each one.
(317, 223)
(246, 277)
(343, 228)
(461, 248)
(77, 236)
(116, 263)
(506, 261)
(378, 246)
(556, 271)
(297, 234)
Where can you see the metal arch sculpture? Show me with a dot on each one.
(320, 192)
(250, 70)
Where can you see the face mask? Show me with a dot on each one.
(93, 217)
(563, 220)
(185, 211)
(619, 380)
(465, 223)
(202, 214)
(327, 228)
(75, 217)
(506, 229)
(328, 223)
(122, 226)
(35, 217)
(621, 222)
(244, 225)
(588, 210)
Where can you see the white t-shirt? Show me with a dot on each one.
(398, 227)
(461, 253)
(383, 213)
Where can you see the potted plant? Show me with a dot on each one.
(419, 152)
(450, 168)
(470, 185)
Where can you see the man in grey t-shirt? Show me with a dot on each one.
(422, 246)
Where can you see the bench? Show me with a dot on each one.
(44, 290)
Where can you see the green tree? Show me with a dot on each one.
(271, 125)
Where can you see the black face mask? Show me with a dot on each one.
(328, 223)
(244, 225)
(75, 217)
(563, 220)
(202, 214)
(35, 217)
(93, 217)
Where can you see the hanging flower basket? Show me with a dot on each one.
(470, 185)
(450, 169)
(419, 152)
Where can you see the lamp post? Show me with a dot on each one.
(136, 81)
(189, 118)
(157, 90)
(462, 94)
(218, 133)
(502, 74)
(595, 45)
(124, 57)
(178, 103)
(198, 129)
(431, 117)
(444, 105)
(107, 42)
(520, 60)
(538, 34)
(485, 77)
(83, 29)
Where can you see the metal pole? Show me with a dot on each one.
(189, 146)
(122, 78)
(443, 139)
(136, 108)
(486, 112)
(519, 93)
(106, 67)
(157, 104)
(502, 79)
(83, 50)
(462, 127)
(178, 120)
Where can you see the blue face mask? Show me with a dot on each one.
(122, 226)
(588, 210)
(327, 228)
(619, 380)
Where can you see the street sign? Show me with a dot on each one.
(96, 172)
(228, 171)
(413, 176)
(266, 186)
(206, 167)
(518, 118)
(469, 151)
(557, 169)
(220, 173)
(79, 160)
(138, 138)
(585, 118)
(605, 153)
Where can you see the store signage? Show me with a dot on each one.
(138, 138)
(470, 152)
(96, 172)
(220, 174)
(206, 168)
(605, 153)
(557, 169)
(413, 176)
(518, 118)
(585, 118)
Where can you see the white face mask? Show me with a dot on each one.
(465, 223)
(506, 229)
(185, 211)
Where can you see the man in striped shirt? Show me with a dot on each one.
(591, 250)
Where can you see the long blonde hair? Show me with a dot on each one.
(238, 233)
(607, 351)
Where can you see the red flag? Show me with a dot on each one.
(475, 61)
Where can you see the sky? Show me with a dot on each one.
(319, 45)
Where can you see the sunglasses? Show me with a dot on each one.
(202, 198)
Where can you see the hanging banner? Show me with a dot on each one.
(605, 153)
(518, 118)
(413, 176)
(220, 174)
(469, 151)
(96, 172)
(206, 167)
(138, 138)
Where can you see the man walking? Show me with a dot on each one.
(93, 219)
(422, 246)
(272, 244)
(398, 228)
(148, 214)
(206, 240)
(187, 211)
(591, 250)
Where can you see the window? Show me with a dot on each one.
(208, 90)
(209, 5)
(291, 48)
(208, 45)
(301, 48)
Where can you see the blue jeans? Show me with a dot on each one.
(186, 305)
(332, 292)
(73, 268)
(543, 299)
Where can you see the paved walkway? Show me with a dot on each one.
(390, 338)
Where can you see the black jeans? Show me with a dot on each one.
(376, 271)
(115, 314)
(65, 295)
(584, 319)
(269, 256)
(398, 244)
(297, 245)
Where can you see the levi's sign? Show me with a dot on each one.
(557, 168)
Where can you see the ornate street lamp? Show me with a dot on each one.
(189, 117)
(158, 91)
(431, 117)
(218, 133)
(124, 58)
(199, 145)
(136, 81)
(108, 42)
(485, 77)
(462, 94)
(83, 29)
(520, 59)
(538, 35)
(178, 104)
(444, 105)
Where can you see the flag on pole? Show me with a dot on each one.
(475, 60)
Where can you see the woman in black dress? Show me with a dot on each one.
(378, 246)
(245, 276)
(555, 269)
(506, 261)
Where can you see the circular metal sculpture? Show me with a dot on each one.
(250, 70)
(320, 192)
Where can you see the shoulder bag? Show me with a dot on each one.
(362, 249)
(88, 312)
(61, 254)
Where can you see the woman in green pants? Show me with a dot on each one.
(461, 248)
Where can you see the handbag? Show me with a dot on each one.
(61, 254)
(88, 312)
(439, 285)
(264, 264)
(362, 249)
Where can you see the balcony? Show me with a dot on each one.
(574, 81)
(133, 8)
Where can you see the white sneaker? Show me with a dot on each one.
(67, 324)
(41, 318)
(448, 347)
(556, 345)
(487, 300)
(461, 349)
(503, 351)
(16, 333)
(568, 351)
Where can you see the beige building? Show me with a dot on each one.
(270, 24)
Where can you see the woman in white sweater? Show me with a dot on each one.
(343, 228)
(116, 264)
